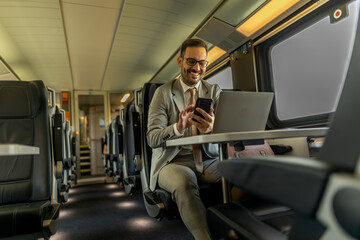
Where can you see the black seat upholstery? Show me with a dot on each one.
(132, 146)
(62, 161)
(26, 181)
(69, 159)
(118, 148)
(73, 158)
(108, 167)
(158, 203)
(147, 94)
(324, 192)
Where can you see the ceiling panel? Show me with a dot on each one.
(95, 44)
(35, 27)
(96, 3)
(113, 45)
(148, 34)
(235, 11)
(90, 30)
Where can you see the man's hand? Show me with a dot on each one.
(185, 117)
(204, 125)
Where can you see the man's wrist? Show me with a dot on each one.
(177, 132)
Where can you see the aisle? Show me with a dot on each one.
(104, 211)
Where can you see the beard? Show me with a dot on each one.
(191, 76)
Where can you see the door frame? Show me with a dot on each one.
(76, 117)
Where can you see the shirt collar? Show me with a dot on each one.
(186, 87)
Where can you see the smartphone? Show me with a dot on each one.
(203, 103)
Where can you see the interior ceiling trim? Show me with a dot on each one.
(198, 29)
(10, 70)
(112, 43)
(32, 33)
(67, 47)
(89, 39)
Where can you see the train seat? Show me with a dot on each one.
(60, 154)
(315, 189)
(26, 206)
(74, 158)
(108, 167)
(159, 203)
(117, 157)
(132, 146)
(69, 166)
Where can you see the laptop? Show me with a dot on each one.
(242, 111)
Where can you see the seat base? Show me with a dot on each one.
(250, 220)
(34, 219)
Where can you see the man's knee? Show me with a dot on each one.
(185, 191)
(186, 186)
(177, 177)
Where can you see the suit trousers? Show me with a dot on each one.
(180, 178)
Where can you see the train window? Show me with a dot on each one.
(222, 78)
(309, 64)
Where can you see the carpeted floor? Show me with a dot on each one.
(104, 211)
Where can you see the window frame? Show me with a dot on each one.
(264, 68)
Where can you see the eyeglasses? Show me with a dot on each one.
(192, 62)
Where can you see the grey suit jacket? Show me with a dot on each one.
(164, 111)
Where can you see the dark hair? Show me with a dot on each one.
(192, 42)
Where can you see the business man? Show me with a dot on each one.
(170, 117)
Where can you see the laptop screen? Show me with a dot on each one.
(242, 111)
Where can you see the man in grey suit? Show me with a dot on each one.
(170, 117)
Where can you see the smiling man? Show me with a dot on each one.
(170, 116)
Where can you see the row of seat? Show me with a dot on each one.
(32, 186)
(122, 157)
(65, 161)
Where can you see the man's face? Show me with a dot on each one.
(191, 74)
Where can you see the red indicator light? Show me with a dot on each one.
(337, 13)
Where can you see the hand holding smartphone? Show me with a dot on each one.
(203, 103)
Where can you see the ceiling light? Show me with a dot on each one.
(214, 54)
(265, 15)
(125, 97)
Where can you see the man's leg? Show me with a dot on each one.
(211, 172)
(181, 182)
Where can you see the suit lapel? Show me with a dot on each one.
(204, 90)
(178, 95)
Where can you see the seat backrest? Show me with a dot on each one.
(129, 144)
(113, 129)
(136, 126)
(64, 132)
(147, 94)
(58, 137)
(24, 120)
(68, 133)
(341, 146)
(109, 139)
(118, 136)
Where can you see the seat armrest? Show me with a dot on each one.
(18, 149)
(295, 182)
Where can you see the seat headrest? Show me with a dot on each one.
(117, 119)
(19, 99)
(130, 108)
